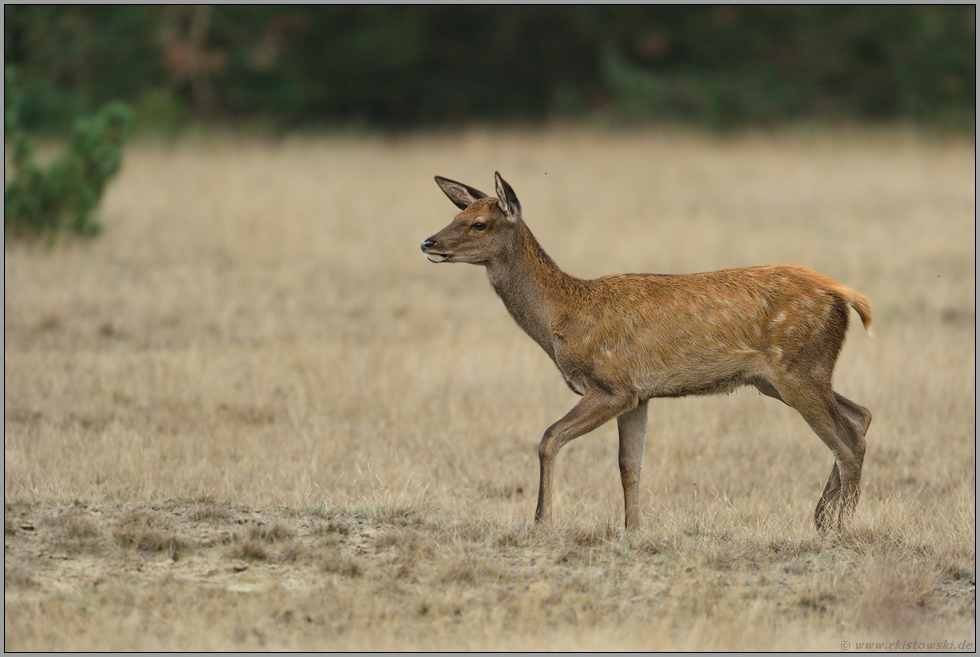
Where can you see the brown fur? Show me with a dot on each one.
(621, 340)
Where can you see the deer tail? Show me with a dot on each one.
(860, 303)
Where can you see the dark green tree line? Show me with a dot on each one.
(418, 66)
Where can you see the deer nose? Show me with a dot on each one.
(428, 244)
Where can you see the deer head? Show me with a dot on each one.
(481, 232)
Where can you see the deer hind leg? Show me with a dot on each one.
(855, 413)
(829, 502)
(856, 420)
(858, 415)
(592, 411)
(841, 425)
(632, 439)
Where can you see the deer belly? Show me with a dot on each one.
(702, 374)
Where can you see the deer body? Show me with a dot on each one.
(624, 339)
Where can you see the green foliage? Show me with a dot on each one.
(73, 59)
(407, 66)
(44, 201)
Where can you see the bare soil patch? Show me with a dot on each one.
(186, 575)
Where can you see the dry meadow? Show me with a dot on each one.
(251, 415)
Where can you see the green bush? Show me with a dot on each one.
(44, 201)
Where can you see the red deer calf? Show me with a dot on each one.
(622, 340)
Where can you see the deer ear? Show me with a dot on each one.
(507, 199)
(462, 195)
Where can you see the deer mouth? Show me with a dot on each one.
(437, 257)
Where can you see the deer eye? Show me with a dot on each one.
(479, 225)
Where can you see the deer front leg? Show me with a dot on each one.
(591, 412)
(632, 439)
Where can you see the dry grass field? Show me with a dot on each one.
(251, 415)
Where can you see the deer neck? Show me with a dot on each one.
(532, 287)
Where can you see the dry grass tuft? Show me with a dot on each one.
(330, 559)
(149, 531)
(294, 552)
(249, 549)
(895, 593)
(595, 535)
(270, 534)
(212, 513)
(469, 569)
(76, 532)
